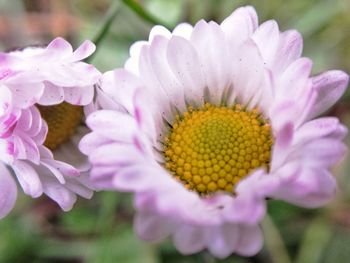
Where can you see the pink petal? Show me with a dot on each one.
(250, 241)
(83, 51)
(318, 128)
(113, 125)
(54, 171)
(330, 86)
(123, 88)
(189, 239)
(26, 94)
(59, 48)
(312, 188)
(25, 121)
(223, 240)
(152, 227)
(133, 178)
(37, 123)
(62, 167)
(8, 191)
(289, 49)
(91, 141)
(79, 95)
(281, 147)
(82, 186)
(28, 178)
(59, 193)
(115, 154)
(325, 152)
(7, 151)
(294, 79)
(5, 100)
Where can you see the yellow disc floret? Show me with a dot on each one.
(62, 120)
(213, 148)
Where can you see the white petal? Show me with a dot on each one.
(215, 59)
(159, 31)
(132, 64)
(240, 25)
(248, 74)
(168, 82)
(294, 80)
(154, 88)
(267, 38)
(184, 63)
(52, 95)
(183, 30)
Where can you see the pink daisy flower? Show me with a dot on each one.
(42, 91)
(214, 119)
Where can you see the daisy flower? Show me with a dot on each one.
(42, 94)
(214, 119)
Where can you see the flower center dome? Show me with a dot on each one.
(213, 148)
(62, 120)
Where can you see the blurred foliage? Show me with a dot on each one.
(100, 230)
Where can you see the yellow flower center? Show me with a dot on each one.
(62, 120)
(213, 148)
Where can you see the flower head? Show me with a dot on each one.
(212, 120)
(42, 93)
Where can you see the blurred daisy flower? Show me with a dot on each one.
(42, 94)
(212, 120)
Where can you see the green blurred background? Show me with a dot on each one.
(100, 230)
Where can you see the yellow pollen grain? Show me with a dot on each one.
(211, 149)
(63, 120)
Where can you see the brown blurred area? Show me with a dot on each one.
(36, 22)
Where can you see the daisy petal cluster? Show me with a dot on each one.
(42, 94)
(211, 120)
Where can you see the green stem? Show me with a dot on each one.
(274, 242)
(315, 240)
(102, 33)
(141, 12)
